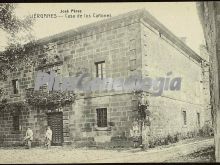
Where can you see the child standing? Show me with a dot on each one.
(48, 137)
(29, 137)
(135, 133)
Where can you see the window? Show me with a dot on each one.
(198, 118)
(134, 104)
(16, 123)
(100, 69)
(132, 44)
(15, 86)
(50, 84)
(184, 118)
(132, 64)
(101, 117)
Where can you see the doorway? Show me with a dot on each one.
(55, 121)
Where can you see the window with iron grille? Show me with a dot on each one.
(133, 64)
(184, 118)
(198, 118)
(16, 123)
(100, 69)
(15, 86)
(101, 117)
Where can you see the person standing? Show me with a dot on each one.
(145, 136)
(135, 134)
(48, 137)
(29, 137)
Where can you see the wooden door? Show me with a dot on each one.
(55, 121)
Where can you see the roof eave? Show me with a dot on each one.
(152, 21)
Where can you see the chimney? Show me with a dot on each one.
(183, 39)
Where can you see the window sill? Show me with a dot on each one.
(184, 126)
(102, 128)
(15, 95)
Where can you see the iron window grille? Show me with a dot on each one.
(101, 117)
(184, 118)
(15, 86)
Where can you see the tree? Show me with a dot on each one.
(143, 111)
(16, 49)
(208, 14)
(9, 22)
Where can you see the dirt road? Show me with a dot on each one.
(70, 155)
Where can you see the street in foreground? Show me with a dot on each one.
(172, 153)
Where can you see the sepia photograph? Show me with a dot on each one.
(114, 82)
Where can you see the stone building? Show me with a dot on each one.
(134, 43)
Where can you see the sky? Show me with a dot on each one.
(181, 18)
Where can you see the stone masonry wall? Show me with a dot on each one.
(117, 44)
(36, 119)
(120, 114)
(161, 58)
